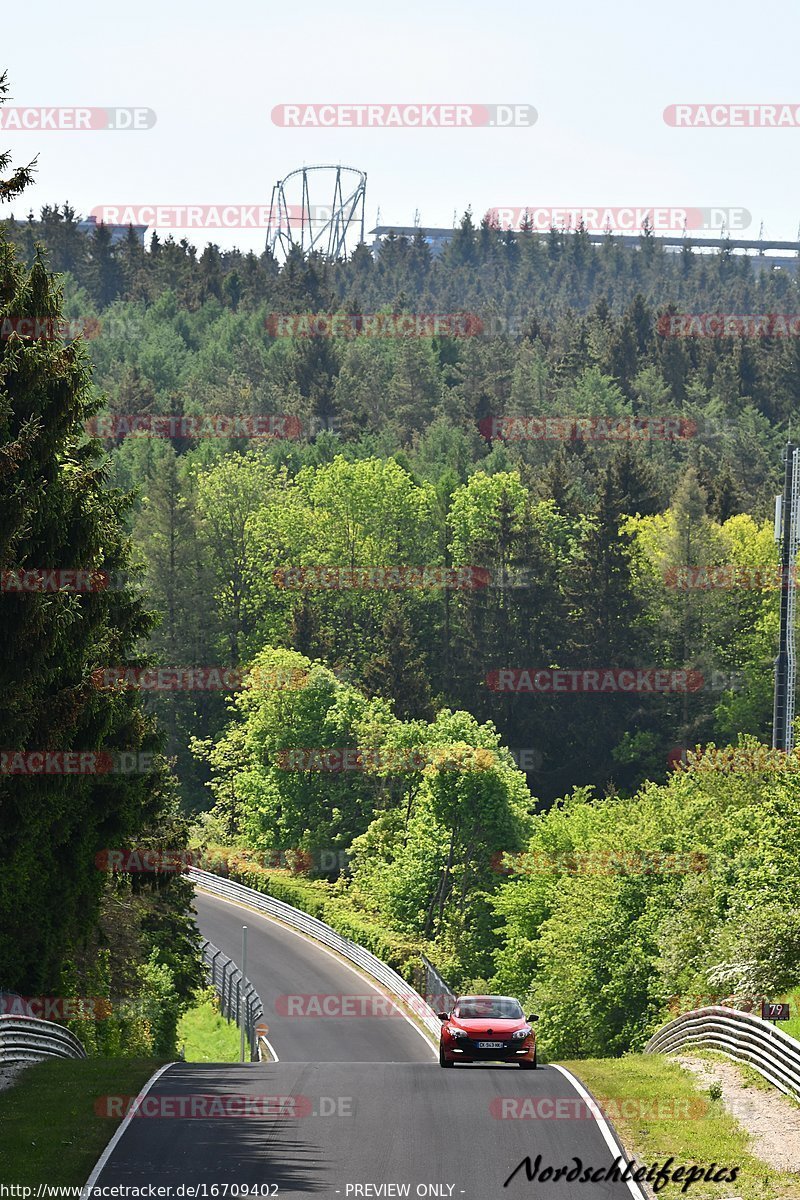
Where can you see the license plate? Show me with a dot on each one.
(490, 1045)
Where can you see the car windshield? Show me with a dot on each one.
(489, 1006)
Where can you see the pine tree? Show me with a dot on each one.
(56, 513)
(15, 183)
(105, 276)
(724, 497)
(398, 670)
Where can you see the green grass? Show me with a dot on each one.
(684, 1123)
(50, 1130)
(792, 1026)
(205, 1035)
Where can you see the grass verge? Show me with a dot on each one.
(50, 1130)
(658, 1112)
(205, 1035)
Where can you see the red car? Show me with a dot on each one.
(487, 1029)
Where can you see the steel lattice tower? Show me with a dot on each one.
(317, 209)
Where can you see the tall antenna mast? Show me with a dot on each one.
(787, 531)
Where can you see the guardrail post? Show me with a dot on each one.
(242, 1007)
(211, 963)
(227, 988)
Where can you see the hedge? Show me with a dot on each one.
(316, 897)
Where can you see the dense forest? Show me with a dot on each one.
(579, 492)
(403, 453)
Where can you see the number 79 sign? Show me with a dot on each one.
(774, 1012)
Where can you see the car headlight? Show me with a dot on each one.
(457, 1033)
(519, 1034)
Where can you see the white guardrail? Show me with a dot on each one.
(740, 1036)
(393, 984)
(27, 1040)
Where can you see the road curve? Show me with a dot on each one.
(412, 1125)
(281, 964)
(353, 1106)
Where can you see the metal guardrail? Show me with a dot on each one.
(227, 978)
(393, 984)
(438, 992)
(740, 1036)
(27, 1039)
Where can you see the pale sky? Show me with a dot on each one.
(599, 76)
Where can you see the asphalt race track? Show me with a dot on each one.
(282, 963)
(353, 1105)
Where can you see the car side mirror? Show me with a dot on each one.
(444, 1016)
(532, 1017)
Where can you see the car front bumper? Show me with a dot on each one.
(466, 1050)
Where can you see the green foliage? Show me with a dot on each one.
(424, 818)
(204, 1035)
(291, 707)
(618, 906)
(392, 469)
(57, 512)
(335, 908)
(395, 467)
(160, 988)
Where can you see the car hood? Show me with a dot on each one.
(481, 1025)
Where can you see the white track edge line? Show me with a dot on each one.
(602, 1123)
(123, 1125)
(270, 1047)
(325, 950)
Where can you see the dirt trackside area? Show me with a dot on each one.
(662, 1109)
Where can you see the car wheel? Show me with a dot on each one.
(443, 1062)
(530, 1066)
